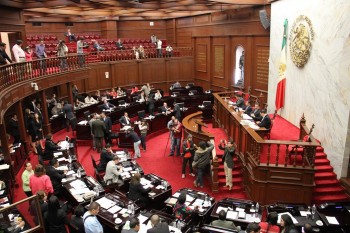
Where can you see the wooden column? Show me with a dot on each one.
(5, 144)
(46, 122)
(70, 94)
(22, 127)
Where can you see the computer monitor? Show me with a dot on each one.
(121, 102)
(190, 84)
(207, 104)
(87, 115)
(181, 105)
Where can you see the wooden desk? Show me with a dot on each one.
(339, 210)
(191, 127)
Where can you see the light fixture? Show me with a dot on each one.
(151, 23)
(107, 74)
(35, 86)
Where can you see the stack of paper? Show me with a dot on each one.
(105, 203)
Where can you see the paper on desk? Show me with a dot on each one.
(198, 202)
(105, 203)
(144, 228)
(2, 192)
(126, 127)
(279, 217)
(61, 159)
(253, 125)
(126, 174)
(62, 168)
(78, 184)
(123, 211)
(79, 191)
(221, 208)
(114, 209)
(332, 220)
(119, 152)
(171, 201)
(127, 169)
(231, 215)
(160, 187)
(246, 117)
(239, 209)
(189, 198)
(144, 181)
(304, 213)
(142, 218)
(177, 194)
(4, 166)
(146, 186)
(56, 154)
(70, 172)
(82, 123)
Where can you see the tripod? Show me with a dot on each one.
(167, 143)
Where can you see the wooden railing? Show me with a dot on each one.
(268, 162)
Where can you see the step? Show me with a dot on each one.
(324, 168)
(235, 180)
(236, 166)
(328, 190)
(319, 149)
(323, 183)
(319, 162)
(320, 156)
(235, 188)
(325, 175)
(234, 174)
(331, 198)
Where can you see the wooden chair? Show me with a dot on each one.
(268, 131)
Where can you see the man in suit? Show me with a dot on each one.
(229, 152)
(108, 123)
(56, 176)
(150, 104)
(256, 113)
(13, 129)
(240, 101)
(3, 55)
(222, 222)
(252, 228)
(165, 109)
(157, 226)
(98, 129)
(125, 120)
(265, 121)
(113, 172)
(177, 112)
(107, 106)
(136, 140)
(248, 108)
(50, 148)
(77, 218)
(106, 156)
(68, 112)
(32, 105)
(134, 226)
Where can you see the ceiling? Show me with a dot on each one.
(95, 10)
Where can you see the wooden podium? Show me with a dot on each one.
(193, 125)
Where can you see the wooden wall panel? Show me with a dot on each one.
(152, 71)
(141, 29)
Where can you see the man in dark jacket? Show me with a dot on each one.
(157, 226)
(136, 140)
(50, 148)
(68, 113)
(106, 156)
(108, 123)
(98, 129)
(229, 151)
(3, 55)
(56, 176)
(201, 161)
(13, 129)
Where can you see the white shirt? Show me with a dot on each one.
(18, 52)
(159, 44)
(90, 100)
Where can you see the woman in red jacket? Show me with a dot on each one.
(40, 181)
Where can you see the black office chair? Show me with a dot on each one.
(114, 136)
(160, 110)
(141, 114)
(100, 107)
(87, 115)
(121, 102)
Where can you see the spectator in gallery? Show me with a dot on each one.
(18, 51)
(70, 35)
(40, 52)
(120, 44)
(159, 48)
(153, 39)
(97, 46)
(80, 51)
(62, 52)
(142, 52)
(29, 57)
(169, 51)
(3, 55)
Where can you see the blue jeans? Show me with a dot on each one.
(175, 146)
(137, 149)
(199, 179)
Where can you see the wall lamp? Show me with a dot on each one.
(35, 86)
(107, 74)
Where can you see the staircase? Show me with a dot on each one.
(328, 188)
(237, 177)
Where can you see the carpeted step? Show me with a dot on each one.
(325, 175)
(236, 166)
(328, 190)
(319, 149)
(235, 180)
(324, 168)
(235, 188)
(234, 174)
(319, 162)
(330, 198)
(326, 183)
(320, 155)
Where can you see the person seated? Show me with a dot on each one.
(97, 46)
(137, 192)
(125, 120)
(134, 225)
(90, 100)
(248, 108)
(182, 211)
(256, 113)
(56, 176)
(119, 45)
(308, 228)
(71, 36)
(142, 97)
(120, 92)
(240, 101)
(177, 85)
(158, 226)
(252, 228)
(265, 121)
(113, 171)
(165, 109)
(78, 103)
(222, 222)
(157, 95)
(105, 156)
(20, 226)
(113, 93)
(77, 218)
(169, 51)
(50, 148)
(134, 89)
(57, 109)
(107, 106)
(287, 224)
(55, 217)
(270, 226)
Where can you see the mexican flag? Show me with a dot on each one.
(281, 85)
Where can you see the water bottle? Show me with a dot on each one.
(79, 173)
(313, 211)
(132, 209)
(257, 209)
(165, 184)
(206, 201)
(178, 224)
(97, 191)
(69, 158)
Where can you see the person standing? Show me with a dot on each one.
(159, 48)
(177, 111)
(41, 54)
(137, 141)
(3, 55)
(55, 217)
(143, 127)
(176, 145)
(68, 111)
(18, 51)
(98, 130)
(13, 129)
(150, 104)
(188, 149)
(56, 177)
(80, 51)
(27, 173)
(229, 152)
(91, 223)
(71, 36)
(201, 161)
(62, 51)
(108, 124)
(40, 181)
(29, 57)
